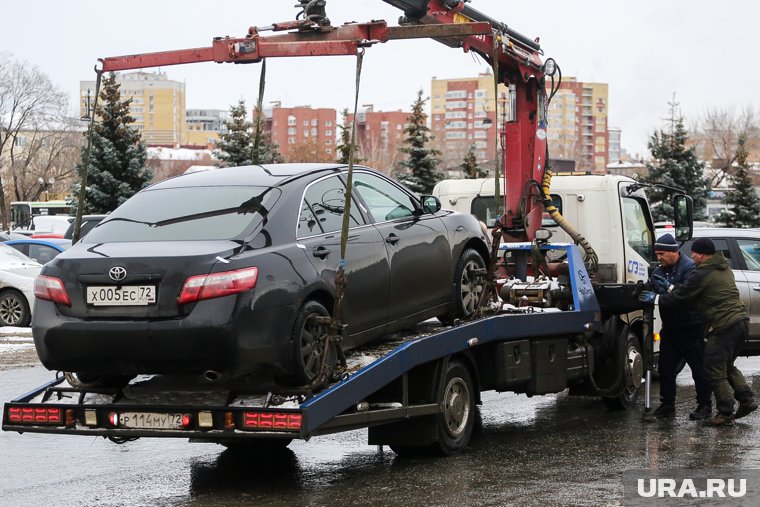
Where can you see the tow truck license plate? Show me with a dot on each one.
(148, 420)
(128, 295)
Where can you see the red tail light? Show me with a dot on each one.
(51, 289)
(272, 420)
(217, 285)
(35, 415)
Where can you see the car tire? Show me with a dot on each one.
(308, 337)
(633, 371)
(14, 309)
(468, 288)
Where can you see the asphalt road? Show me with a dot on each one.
(550, 450)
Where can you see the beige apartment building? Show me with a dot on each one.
(158, 105)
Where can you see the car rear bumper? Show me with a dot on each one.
(213, 337)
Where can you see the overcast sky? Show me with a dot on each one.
(646, 50)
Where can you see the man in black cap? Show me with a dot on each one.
(713, 288)
(681, 334)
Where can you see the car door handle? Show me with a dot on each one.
(392, 239)
(320, 252)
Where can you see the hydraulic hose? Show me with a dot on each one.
(589, 258)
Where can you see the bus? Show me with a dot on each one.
(23, 211)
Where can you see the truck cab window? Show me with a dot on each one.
(638, 232)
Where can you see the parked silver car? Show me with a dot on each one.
(742, 249)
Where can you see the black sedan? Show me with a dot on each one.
(222, 272)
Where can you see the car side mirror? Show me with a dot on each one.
(430, 204)
(683, 210)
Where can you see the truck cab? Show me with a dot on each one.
(610, 210)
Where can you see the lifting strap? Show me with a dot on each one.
(335, 322)
(86, 159)
(259, 126)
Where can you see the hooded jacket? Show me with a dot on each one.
(678, 315)
(713, 289)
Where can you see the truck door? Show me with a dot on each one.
(319, 229)
(638, 234)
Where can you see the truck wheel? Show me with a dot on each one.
(308, 339)
(633, 371)
(468, 288)
(14, 310)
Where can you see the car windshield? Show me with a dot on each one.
(186, 214)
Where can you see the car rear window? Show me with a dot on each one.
(186, 214)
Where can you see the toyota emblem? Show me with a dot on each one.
(117, 273)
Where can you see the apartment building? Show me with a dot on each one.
(379, 135)
(294, 128)
(158, 105)
(205, 125)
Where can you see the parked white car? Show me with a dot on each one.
(17, 274)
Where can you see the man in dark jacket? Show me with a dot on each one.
(681, 334)
(713, 288)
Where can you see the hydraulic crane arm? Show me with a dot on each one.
(515, 58)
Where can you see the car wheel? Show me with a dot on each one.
(633, 371)
(308, 340)
(468, 287)
(14, 309)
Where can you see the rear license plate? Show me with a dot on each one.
(128, 295)
(151, 421)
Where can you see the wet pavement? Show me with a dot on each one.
(550, 450)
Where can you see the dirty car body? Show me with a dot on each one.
(208, 272)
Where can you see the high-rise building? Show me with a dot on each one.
(614, 150)
(463, 114)
(158, 105)
(297, 129)
(379, 135)
(578, 125)
(205, 125)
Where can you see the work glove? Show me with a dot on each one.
(660, 284)
(647, 297)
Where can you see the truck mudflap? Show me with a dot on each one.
(174, 407)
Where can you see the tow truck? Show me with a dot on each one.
(554, 326)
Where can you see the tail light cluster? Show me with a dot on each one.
(51, 289)
(35, 415)
(272, 421)
(216, 285)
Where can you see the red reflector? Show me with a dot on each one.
(51, 289)
(217, 285)
(34, 415)
(187, 420)
(272, 420)
(113, 418)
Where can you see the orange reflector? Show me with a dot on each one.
(229, 421)
(272, 420)
(70, 421)
(657, 337)
(35, 415)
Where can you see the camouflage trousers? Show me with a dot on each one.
(727, 382)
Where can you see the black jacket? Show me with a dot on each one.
(674, 315)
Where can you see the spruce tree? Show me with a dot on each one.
(344, 145)
(117, 161)
(470, 166)
(236, 142)
(742, 200)
(418, 171)
(675, 165)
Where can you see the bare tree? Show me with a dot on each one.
(29, 103)
(378, 155)
(717, 136)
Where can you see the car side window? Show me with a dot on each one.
(384, 199)
(750, 249)
(41, 253)
(322, 208)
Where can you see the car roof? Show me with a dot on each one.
(725, 232)
(265, 175)
(58, 244)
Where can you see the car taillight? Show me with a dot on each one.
(51, 289)
(217, 285)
